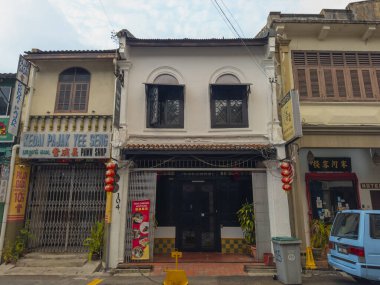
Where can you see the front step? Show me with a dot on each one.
(123, 268)
(36, 259)
(260, 269)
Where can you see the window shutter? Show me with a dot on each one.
(355, 83)
(299, 58)
(314, 82)
(302, 87)
(366, 75)
(80, 97)
(64, 94)
(154, 105)
(329, 85)
(341, 83)
(378, 79)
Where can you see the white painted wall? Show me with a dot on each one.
(196, 68)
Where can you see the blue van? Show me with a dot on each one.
(355, 244)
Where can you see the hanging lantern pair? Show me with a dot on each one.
(287, 175)
(112, 178)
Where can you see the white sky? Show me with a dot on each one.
(87, 24)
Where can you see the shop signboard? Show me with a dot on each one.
(23, 70)
(4, 135)
(140, 228)
(19, 193)
(330, 164)
(65, 145)
(291, 116)
(15, 115)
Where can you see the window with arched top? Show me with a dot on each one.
(229, 102)
(73, 89)
(165, 102)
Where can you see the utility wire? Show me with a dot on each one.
(231, 26)
(233, 18)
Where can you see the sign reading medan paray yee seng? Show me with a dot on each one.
(64, 145)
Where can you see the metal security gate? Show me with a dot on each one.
(64, 203)
(142, 186)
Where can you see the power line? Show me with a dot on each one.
(105, 13)
(236, 22)
(230, 25)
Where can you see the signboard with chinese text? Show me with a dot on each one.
(65, 145)
(23, 70)
(291, 116)
(19, 193)
(15, 115)
(4, 135)
(140, 228)
(329, 164)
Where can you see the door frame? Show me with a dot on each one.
(178, 227)
(330, 177)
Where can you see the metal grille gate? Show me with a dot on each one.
(64, 203)
(142, 186)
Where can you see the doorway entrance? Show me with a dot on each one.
(375, 199)
(198, 229)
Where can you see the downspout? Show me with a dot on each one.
(34, 68)
(8, 197)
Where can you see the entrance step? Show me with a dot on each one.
(52, 264)
(123, 268)
(52, 260)
(259, 269)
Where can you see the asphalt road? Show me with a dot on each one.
(325, 279)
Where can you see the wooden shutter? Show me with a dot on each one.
(329, 84)
(368, 91)
(314, 83)
(302, 86)
(341, 84)
(355, 85)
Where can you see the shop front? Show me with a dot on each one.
(65, 195)
(194, 197)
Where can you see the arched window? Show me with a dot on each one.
(164, 102)
(229, 102)
(73, 89)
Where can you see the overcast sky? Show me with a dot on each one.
(87, 24)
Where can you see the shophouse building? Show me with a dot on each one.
(198, 136)
(65, 136)
(332, 61)
(7, 83)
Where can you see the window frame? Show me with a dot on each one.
(230, 97)
(180, 97)
(8, 107)
(74, 85)
(356, 75)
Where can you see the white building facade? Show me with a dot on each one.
(196, 134)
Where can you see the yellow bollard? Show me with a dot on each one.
(310, 263)
(176, 276)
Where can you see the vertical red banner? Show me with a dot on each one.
(140, 228)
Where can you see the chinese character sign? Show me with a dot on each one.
(140, 228)
(19, 193)
(330, 164)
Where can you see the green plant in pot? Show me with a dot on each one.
(94, 242)
(319, 237)
(246, 218)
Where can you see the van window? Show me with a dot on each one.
(346, 225)
(374, 221)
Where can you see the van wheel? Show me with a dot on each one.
(361, 280)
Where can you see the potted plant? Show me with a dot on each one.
(246, 218)
(319, 237)
(95, 241)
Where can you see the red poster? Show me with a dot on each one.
(140, 228)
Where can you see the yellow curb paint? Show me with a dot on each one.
(95, 282)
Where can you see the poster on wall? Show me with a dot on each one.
(140, 228)
(19, 193)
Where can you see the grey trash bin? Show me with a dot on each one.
(288, 259)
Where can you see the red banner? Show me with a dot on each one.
(140, 228)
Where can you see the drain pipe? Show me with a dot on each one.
(8, 197)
